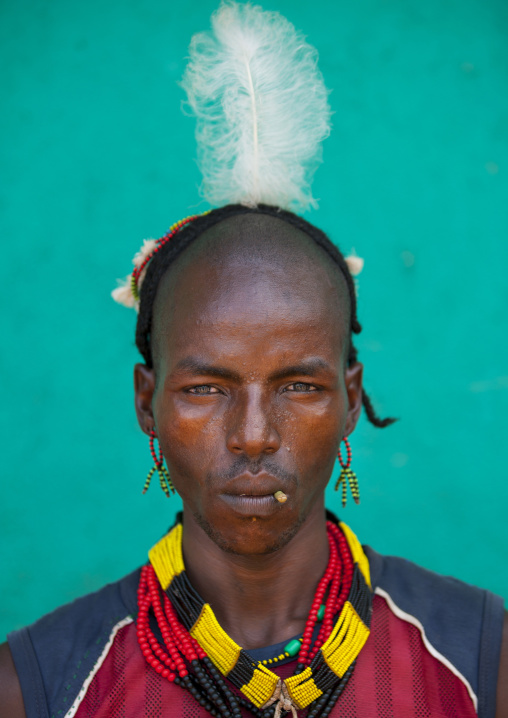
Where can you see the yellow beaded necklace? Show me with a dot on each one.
(334, 660)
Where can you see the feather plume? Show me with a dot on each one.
(261, 107)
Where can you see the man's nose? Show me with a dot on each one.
(251, 430)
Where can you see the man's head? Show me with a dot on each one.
(254, 381)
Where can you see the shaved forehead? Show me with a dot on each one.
(251, 256)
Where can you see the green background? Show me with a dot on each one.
(96, 155)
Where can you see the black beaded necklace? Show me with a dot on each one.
(197, 654)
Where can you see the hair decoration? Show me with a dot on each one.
(261, 107)
(128, 293)
(354, 264)
(259, 132)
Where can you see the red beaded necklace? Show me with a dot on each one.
(182, 660)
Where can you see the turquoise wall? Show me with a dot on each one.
(96, 156)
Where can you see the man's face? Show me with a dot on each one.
(251, 395)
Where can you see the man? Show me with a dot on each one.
(250, 382)
(257, 602)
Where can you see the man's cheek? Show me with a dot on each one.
(189, 467)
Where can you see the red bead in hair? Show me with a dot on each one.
(160, 243)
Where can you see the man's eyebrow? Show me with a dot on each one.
(199, 367)
(309, 367)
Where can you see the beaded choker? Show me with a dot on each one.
(199, 655)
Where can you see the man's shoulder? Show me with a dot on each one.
(410, 584)
(61, 648)
(461, 625)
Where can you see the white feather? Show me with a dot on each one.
(123, 294)
(148, 247)
(261, 107)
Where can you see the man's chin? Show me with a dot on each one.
(249, 537)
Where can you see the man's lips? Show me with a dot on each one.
(249, 505)
(253, 494)
(253, 485)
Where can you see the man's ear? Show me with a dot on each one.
(144, 386)
(353, 378)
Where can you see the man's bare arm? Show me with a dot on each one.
(11, 699)
(502, 681)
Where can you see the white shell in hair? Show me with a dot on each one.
(354, 264)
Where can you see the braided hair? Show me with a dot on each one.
(168, 253)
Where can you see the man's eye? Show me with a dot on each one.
(301, 386)
(203, 389)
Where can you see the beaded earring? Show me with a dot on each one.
(346, 475)
(164, 477)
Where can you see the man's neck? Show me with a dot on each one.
(259, 600)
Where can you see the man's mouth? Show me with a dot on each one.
(252, 504)
(254, 494)
(247, 484)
